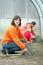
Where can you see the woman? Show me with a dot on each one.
(11, 39)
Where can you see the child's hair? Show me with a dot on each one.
(15, 18)
(34, 23)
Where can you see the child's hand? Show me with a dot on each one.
(28, 42)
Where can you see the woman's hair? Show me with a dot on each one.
(15, 18)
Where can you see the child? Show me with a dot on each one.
(28, 31)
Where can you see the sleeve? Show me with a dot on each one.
(33, 32)
(16, 39)
(22, 36)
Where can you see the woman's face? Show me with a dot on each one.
(17, 22)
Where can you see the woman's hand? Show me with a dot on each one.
(25, 49)
(25, 52)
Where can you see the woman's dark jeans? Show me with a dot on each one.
(11, 47)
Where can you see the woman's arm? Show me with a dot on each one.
(22, 36)
(16, 39)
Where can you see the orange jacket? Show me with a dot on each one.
(13, 34)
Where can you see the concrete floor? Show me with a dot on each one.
(35, 59)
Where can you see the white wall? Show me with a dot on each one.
(24, 8)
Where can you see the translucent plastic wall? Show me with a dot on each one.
(24, 8)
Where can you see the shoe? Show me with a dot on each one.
(12, 53)
(3, 52)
